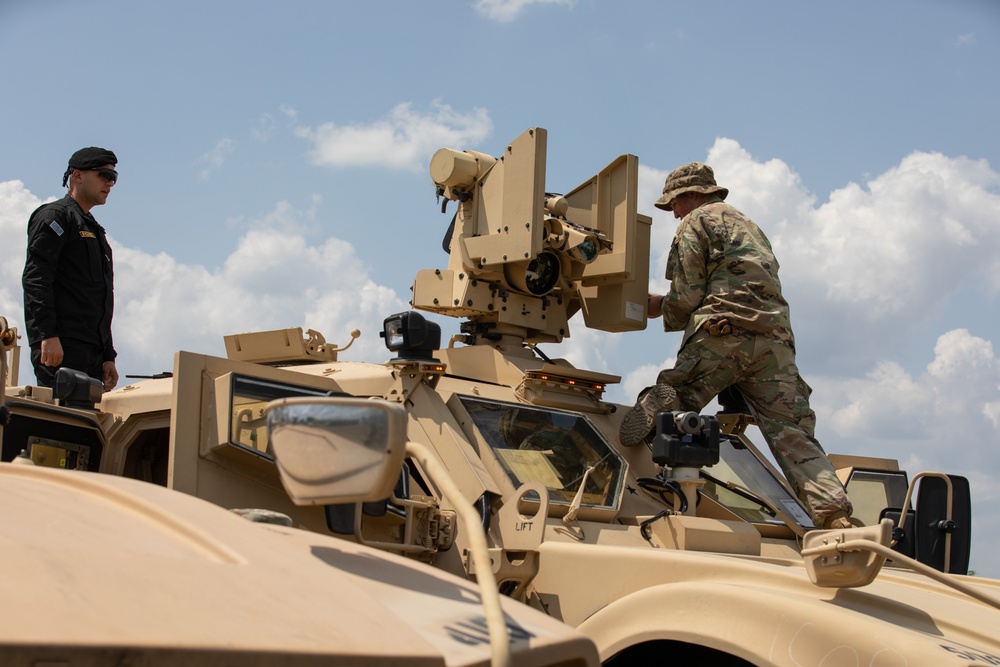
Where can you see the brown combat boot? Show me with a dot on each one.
(640, 420)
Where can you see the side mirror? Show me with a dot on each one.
(938, 533)
(944, 523)
(337, 449)
(340, 450)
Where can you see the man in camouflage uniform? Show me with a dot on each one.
(726, 297)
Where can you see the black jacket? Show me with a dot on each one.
(68, 277)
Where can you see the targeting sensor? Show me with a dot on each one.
(686, 439)
(576, 242)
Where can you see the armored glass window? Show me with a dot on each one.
(248, 414)
(737, 465)
(550, 446)
(871, 491)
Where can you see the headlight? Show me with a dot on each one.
(411, 336)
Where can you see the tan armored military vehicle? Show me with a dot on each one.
(105, 570)
(692, 550)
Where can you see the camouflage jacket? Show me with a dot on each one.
(721, 266)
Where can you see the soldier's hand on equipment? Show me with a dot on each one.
(654, 307)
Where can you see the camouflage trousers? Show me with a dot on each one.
(764, 371)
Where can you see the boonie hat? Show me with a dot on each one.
(690, 177)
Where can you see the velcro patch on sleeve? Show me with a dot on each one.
(56, 228)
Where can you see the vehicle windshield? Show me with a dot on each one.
(553, 447)
(737, 465)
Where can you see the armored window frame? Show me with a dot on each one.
(526, 461)
(740, 465)
(248, 397)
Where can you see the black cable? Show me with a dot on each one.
(658, 486)
(534, 348)
(644, 526)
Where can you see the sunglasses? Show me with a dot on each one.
(109, 175)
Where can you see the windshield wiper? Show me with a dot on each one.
(765, 504)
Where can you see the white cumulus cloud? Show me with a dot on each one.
(215, 158)
(275, 277)
(505, 11)
(404, 139)
(876, 261)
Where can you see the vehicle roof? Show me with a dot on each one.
(103, 561)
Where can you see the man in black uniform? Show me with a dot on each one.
(68, 276)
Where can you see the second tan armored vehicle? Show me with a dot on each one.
(690, 551)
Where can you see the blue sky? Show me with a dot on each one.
(273, 161)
